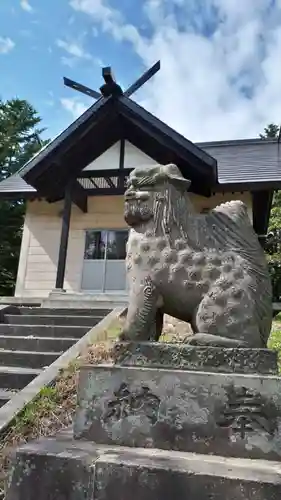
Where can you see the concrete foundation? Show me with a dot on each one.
(67, 470)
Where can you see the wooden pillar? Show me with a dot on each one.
(64, 237)
(121, 178)
(262, 239)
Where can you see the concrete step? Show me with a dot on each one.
(12, 377)
(21, 302)
(44, 330)
(5, 396)
(28, 359)
(63, 311)
(59, 320)
(139, 473)
(152, 475)
(39, 344)
(85, 300)
(85, 303)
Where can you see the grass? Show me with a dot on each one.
(274, 341)
(53, 409)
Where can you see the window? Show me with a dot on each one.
(95, 245)
(116, 245)
(105, 244)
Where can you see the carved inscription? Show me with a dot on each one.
(126, 402)
(246, 412)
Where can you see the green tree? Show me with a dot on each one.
(19, 141)
(275, 214)
(273, 241)
(271, 131)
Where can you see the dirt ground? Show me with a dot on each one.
(176, 329)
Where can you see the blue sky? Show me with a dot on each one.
(51, 40)
(220, 71)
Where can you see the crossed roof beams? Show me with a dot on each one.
(111, 87)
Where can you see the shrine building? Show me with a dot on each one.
(74, 234)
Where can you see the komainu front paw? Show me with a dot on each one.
(123, 336)
(132, 335)
(206, 339)
(192, 340)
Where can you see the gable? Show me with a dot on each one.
(93, 144)
(106, 161)
(134, 157)
(110, 159)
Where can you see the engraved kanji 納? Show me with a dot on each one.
(127, 402)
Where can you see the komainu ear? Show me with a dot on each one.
(173, 173)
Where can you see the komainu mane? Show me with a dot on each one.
(206, 269)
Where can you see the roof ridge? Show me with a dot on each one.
(236, 142)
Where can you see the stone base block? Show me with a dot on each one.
(50, 470)
(152, 476)
(188, 357)
(225, 414)
(67, 470)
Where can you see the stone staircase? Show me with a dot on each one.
(32, 338)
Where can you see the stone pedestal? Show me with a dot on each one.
(229, 415)
(188, 357)
(164, 422)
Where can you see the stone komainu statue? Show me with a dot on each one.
(206, 269)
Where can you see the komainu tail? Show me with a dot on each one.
(232, 230)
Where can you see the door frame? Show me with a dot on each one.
(102, 291)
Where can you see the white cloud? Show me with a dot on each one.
(6, 45)
(25, 5)
(74, 49)
(74, 106)
(99, 9)
(220, 72)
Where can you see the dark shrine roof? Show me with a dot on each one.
(247, 161)
(249, 164)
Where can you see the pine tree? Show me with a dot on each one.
(271, 131)
(19, 141)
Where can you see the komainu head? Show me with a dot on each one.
(147, 187)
